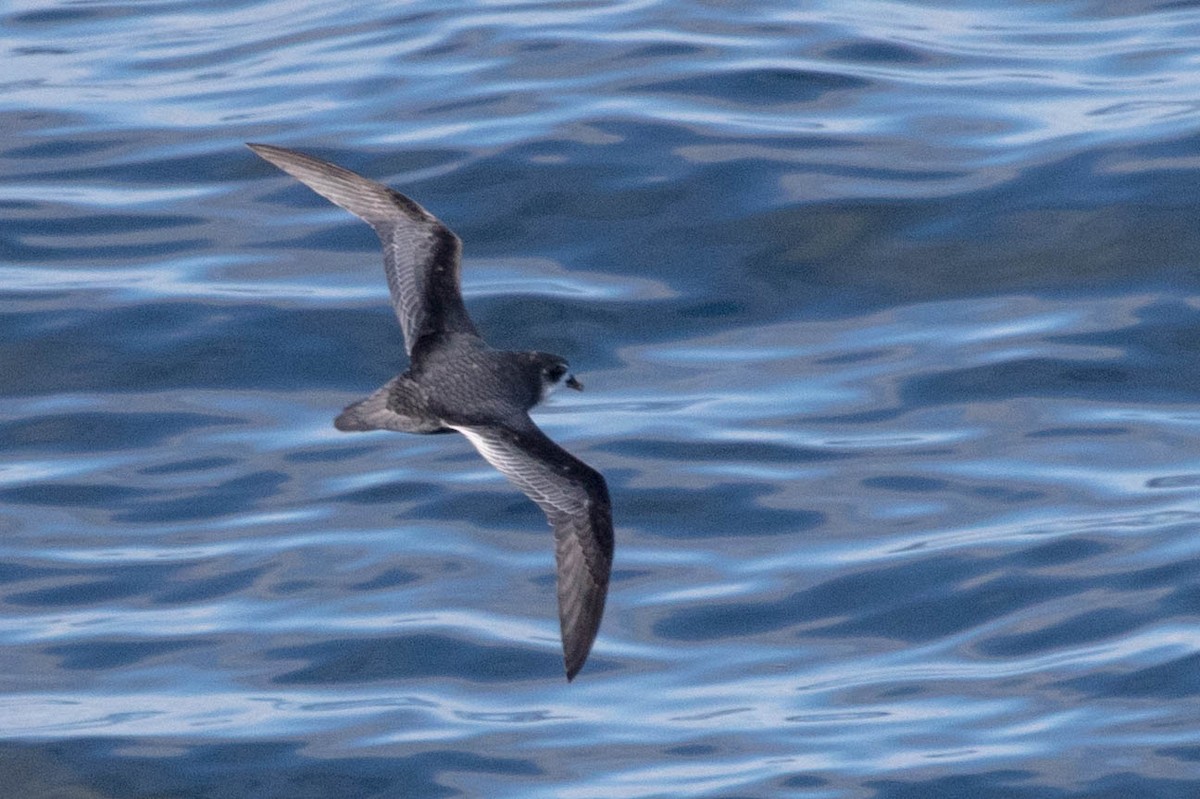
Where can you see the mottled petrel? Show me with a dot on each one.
(455, 381)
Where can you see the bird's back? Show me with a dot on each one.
(468, 382)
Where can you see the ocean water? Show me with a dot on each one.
(889, 316)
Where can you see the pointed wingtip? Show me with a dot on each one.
(275, 155)
(575, 653)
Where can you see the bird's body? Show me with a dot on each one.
(456, 382)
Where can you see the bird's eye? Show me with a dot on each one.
(556, 372)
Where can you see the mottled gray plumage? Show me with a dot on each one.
(457, 382)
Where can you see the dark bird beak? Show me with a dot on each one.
(571, 382)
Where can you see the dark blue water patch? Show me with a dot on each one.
(78, 495)
(22, 252)
(187, 466)
(290, 587)
(1074, 550)
(561, 202)
(937, 611)
(228, 498)
(115, 653)
(720, 451)
(495, 104)
(912, 602)
(496, 510)
(1065, 225)
(18, 205)
(712, 310)
(66, 16)
(551, 325)
(413, 656)
(11, 572)
(541, 46)
(101, 431)
(1184, 600)
(861, 356)
(906, 483)
(663, 50)
(52, 225)
(1181, 578)
(399, 491)
(506, 717)
(1111, 380)
(1174, 481)
(874, 416)
(386, 579)
(188, 345)
(40, 50)
(46, 234)
(59, 148)
(329, 454)
(1179, 573)
(1008, 495)
(1022, 784)
(1176, 679)
(917, 484)
(1083, 628)
(1187, 754)
(785, 263)
(756, 87)
(995, 784)
(806, 782)
(81, 587)
(216, 57)
(211, 166)
(830, 254)
(1165, 336)
(1078, 431)
(192, 588)
(523, 202)
(266, 769)
(691, 750)
(876, 52)
(721, 510)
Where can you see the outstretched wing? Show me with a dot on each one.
(574, 498)
(420, 254)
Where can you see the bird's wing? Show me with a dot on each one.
(420, 254)
(574, 498)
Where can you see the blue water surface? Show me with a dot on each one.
(889, 316)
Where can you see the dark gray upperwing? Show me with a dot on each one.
(574, 498)
(420, 254)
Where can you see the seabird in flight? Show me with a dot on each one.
(455, 381)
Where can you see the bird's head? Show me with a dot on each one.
(555, 372)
